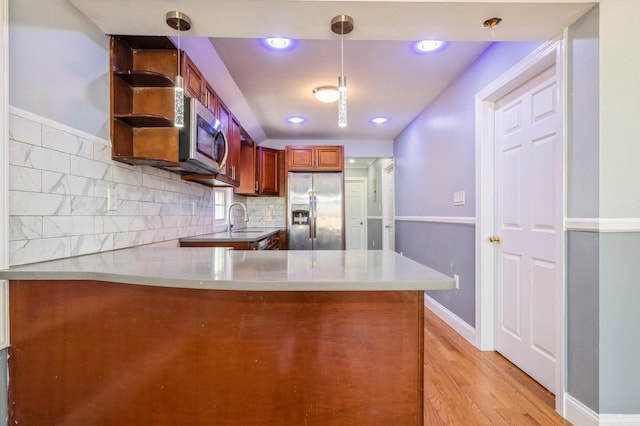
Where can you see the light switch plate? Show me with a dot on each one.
(458, 198)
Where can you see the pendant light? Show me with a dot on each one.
(180, 22)
(342, 24)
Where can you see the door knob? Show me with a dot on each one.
(360, 223)
(494, 239)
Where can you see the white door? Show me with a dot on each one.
(529, 223)
(355, 213)
(388, 209)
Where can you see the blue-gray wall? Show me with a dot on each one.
(435, 157)
(619, 294)
(583, 338)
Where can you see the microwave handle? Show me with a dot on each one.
(226, 150)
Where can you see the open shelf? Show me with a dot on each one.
(145, 79)
(144, 120)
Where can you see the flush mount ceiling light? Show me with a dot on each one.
(342, 24)
(278, 43)
(180, 22)
(326, 94)
(424, 46)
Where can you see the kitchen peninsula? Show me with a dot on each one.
(204, 336)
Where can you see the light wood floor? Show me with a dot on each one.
(465, 386)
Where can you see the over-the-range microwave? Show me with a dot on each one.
(202, 141)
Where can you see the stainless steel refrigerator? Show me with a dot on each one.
(315, 211)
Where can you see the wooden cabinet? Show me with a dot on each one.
(210, 99)
(143, 69)
(247, 167)
(230, 173)
(233, 159)
(272, 242)
(194, 84)
(315, 158)
(142, 73)
(283, 241)
(267, 171)
(260, 170)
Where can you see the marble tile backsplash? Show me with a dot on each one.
(59, 181)
(267, 212)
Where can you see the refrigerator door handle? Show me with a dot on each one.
(312, 213)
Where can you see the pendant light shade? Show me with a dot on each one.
(178, 102)
(180, 22)
(342, 24)
(342, 101)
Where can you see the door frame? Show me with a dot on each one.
(4, 170)
(549, 54)
(363, 181)
(387, 168)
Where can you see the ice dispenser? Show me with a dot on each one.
(300, 217)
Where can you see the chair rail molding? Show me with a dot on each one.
(586, 224)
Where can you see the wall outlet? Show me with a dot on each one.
(112, 200)
(457, 278)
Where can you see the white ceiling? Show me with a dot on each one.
(384, 76)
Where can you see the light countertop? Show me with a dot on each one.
(245, 270)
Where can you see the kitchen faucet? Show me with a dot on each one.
(244, 209)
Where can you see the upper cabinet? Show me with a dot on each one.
(261, 170)
(210, 99)
(142, 72)
(194, 84)
(143, 69)
(231, 128)
(268, 171)
(315, 158)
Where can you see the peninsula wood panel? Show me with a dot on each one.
(87, 352)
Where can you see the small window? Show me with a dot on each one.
(220, 200)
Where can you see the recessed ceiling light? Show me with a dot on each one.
(278, 43)
(424, 46)
(379, 120)
(296, 120)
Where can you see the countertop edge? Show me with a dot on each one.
(236, 285)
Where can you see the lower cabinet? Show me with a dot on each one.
(272, 242)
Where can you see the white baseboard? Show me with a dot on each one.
(464, 329)
(578, 413)
(581, 415)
